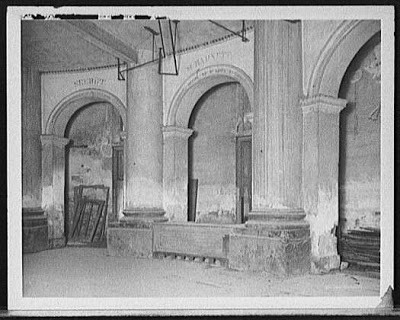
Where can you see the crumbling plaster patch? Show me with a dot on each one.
(324, 221)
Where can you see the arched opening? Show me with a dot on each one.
(219, 156)
(176, 131)
(321, 111)
(93, 158)
(359, 158)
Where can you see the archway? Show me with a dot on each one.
(359, 161)
(321, 111)
(176, 131)
(54, 155)
(337, 55)
(219, 157)
(62, 113)
(93, 159)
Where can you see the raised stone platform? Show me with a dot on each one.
(278, 247)
(34, 230)
(193, 239)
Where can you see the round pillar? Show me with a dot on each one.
(277, 129)
(144, 146)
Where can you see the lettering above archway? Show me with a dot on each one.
(56, 86)
(218, 56)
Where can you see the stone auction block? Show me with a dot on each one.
(193, 239)
(275, 247)
(125, 240)
(34, 230)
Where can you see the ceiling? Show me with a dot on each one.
(52, 45)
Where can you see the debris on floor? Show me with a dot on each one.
(361, 247)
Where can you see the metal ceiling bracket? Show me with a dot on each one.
(161, 54)
(162, 38)
(120, 74)
(241, 35)
(154, 34)
(173, 43)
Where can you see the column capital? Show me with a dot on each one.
(322, 103)
(53, 139)
(174, 131)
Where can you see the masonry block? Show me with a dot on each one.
(130, 241)
(194, 239)
(34, 231)
(282, 251)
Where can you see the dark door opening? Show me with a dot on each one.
(117, 182)
(243, 178)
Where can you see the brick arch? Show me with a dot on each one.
(62, 113)
(337, 54)
(199, 83)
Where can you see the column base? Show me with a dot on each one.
(277, 246)
(57, 243)
(132, 235)
(34, 230)
(323, 265)
(142, 217)
(126, 240)
(276, 214)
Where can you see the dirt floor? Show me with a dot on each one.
(90, 272)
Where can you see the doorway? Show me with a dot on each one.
(219, 156)
(243, 178)
(94, 173)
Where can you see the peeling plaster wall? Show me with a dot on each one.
(215, 122)
(31, 145)
(93, 131)
(359, 171)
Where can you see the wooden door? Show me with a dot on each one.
(243, 178)
(117, 182)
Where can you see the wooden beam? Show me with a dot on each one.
(102, 39)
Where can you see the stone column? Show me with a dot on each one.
(143, 147)
(277, 128)
(276, 238)
(175, 176)
(31, 146)
(143, 196)
(321, 176)
(53, 185)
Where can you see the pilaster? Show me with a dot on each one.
(53, 184)
(175, 172)
(320, 176)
